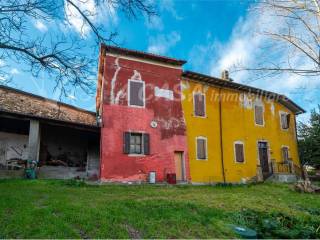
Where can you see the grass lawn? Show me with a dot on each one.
(68, 209)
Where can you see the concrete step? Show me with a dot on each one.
(283, 177)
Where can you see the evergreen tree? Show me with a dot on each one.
(309, 140)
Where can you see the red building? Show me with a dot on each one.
(142, 124)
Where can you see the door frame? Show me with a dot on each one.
(183, 165)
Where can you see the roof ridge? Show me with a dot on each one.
(144, 54)
(44, 98)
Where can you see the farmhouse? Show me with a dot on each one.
(153, 121)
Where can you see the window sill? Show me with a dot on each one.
(199, 116)
(204, 159)
(136, 155)
(136, 106)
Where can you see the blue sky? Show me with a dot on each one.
(210, 34)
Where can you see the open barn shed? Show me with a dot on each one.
(62, 139)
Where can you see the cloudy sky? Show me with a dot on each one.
(210, 34)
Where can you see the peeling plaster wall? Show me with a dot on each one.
(168, 137)
(13, 146)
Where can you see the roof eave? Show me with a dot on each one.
(144, 55)
(296, 109)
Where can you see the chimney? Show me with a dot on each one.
(225, 75)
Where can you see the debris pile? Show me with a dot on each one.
(306, 186)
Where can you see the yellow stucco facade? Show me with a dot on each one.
(230, 121)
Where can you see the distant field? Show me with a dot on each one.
(69, 209)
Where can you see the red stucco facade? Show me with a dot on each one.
(168, 137)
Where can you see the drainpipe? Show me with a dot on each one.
(221, 137)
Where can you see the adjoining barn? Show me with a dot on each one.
(63, 139)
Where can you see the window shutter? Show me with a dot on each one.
(258, 115)
(199, 105)
(146, 144)
(285, 120)
(126, 142)
(239, 153)
(201, 149)
(288, 120)
(136, 93)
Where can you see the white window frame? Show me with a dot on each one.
(235, 153)
(144, 93)
(194, 106)
(286, 113)
(206, 140)
(254, 109)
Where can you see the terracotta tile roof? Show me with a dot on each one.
(33, 106)
(141, 54)
(233, 85)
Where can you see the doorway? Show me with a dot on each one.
(264, 159)
(180, 166)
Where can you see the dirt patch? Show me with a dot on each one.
(133, 233)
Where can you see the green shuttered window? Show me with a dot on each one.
(136, 143)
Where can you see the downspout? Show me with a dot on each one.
(221, 137)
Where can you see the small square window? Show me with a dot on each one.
(136, 143)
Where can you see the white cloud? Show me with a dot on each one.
(2, 63)
(14, 71)
(246, 47)
(165, 6)
(154, 22)
(162, 43)
(40, 26)
(168, 5)
(72, 97)
(105, 14)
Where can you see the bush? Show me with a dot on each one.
(277, 224)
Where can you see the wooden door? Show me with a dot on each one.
(264, 159)
(180, 168)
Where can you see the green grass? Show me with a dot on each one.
(67, 209)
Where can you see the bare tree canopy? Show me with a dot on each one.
(293, 29)
(59, 54)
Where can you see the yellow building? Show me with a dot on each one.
(236, 132)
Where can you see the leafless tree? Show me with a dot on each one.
(296, 34)
(59, 54)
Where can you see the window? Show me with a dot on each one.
(258, 115)
(201, 148)
(136, 143)
(199, 104)
(239, 152)
(284, 120)
(285, 154)
(136, 96)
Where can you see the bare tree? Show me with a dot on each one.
(59, 54)
(296, 34)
